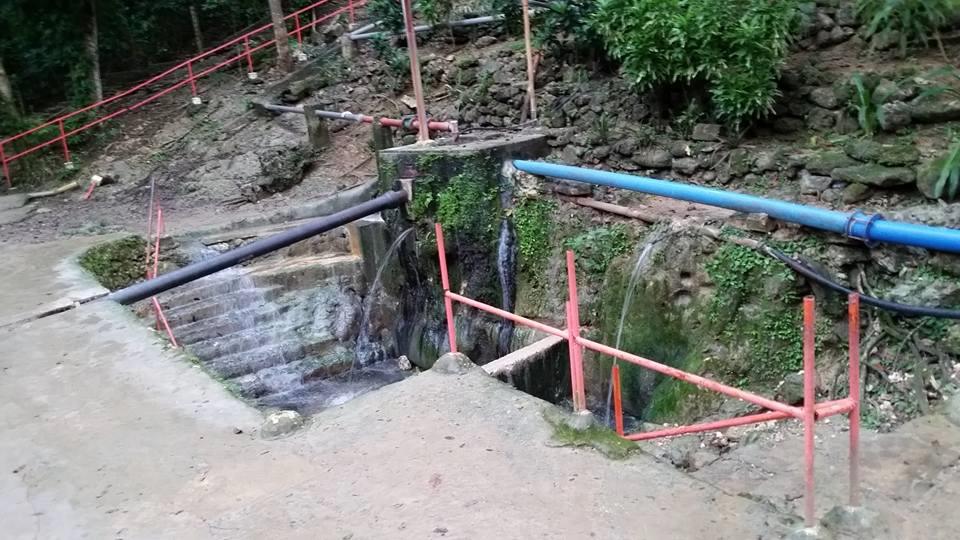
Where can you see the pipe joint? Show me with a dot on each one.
(858, 227)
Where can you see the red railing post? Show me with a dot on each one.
(63, 141)
(353, 18)
(246, 51)
(193, 82)
(617, 399)
(298, 30)
(6, 169)
(853, 333)
(573, 328)
(809, 409)
(445, 281)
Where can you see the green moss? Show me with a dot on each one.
(468, 205)
(755, 314)
(597, 248)
(117, 264)
(533, 221)
(597, 437)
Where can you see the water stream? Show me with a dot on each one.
(369, 347)
(638, 268)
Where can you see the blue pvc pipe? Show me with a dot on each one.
(857, 225)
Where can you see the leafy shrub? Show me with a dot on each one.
(563, 28)
(917, 21)
(512, 14)
(948, 183)
(862, 103)
(435, 12)
(734, 48)
(389, 13)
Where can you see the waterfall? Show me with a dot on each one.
(507, 271)
(369, 348)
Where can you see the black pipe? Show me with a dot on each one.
(195, 271)
(903, 309)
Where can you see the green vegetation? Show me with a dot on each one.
(388, 12)
(533, 223)
(466, 204)
(596, 248)
(732, 49)
(948, 182)
(916, 21)
(754, 310)
(117, 264)
(863, 104)
(435, 12)
(394, 58)
(563, 29)
(599, 438)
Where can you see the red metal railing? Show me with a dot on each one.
(809, 413)
(183, 74)
(155, 229)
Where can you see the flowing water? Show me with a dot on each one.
(507, 271)
(369, 347)
(649, 243)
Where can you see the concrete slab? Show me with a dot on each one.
(8, 202)
(105, 434)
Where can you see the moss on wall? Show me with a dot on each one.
(118, 263)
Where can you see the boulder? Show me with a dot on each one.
(894, 116)
(936, 110)
(855, 193)
(822, 119)
(875, 175)
(625, 147)
(685, 165)
(812, 184)
(653, 158)
(824, 97)
(927, 177)
(706, 132)
(454, 364)
(740, 162)
(826, 162)
(891, 154)
(281, 424)
(770, 160)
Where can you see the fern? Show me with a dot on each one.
(864, 106)
(917, 21)
(948, 183)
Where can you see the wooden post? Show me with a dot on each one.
(316, 128)
(382, 135)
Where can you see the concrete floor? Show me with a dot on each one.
(105, 433)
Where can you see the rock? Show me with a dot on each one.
(826, 162)
(935, 111)
(281, 424)
(740, 162)
(685, 165)
(571, 154)
(706, 132)
(579, 421)
(939, 215)
(888, 91)
(625, 147)
(890, 154)
(755, 222)
(919, 289)
(790, 390)
(846, 15)
(570, 188)
(485, 41)
(454, 364)
(805, 534)
(927, 177)
(601, 152)
(875, 175)
(769, 160)
(855, 193)
(885, 39)
(834, 36)
(855, 522)
(653, 158)
(824, 97)
(840, 255)
(821, 119)
(709, 176)
(812, 184)
(894, 116)
(680, 149)
(9, 202)
(951, 343)
(403, 363)
(15, 215)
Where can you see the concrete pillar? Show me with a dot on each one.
(316, 128)
(382, 135)
(348, 47)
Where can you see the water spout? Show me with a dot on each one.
(369, 348)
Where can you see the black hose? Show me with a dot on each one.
(195, 271)
(903, 309)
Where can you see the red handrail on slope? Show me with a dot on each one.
(191, 77)
(808, 413)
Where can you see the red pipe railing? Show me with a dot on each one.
(809, 413)
(189, 65)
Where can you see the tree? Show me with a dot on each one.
(6, 91)
(91, 42)
(195, 21)
(284, 57)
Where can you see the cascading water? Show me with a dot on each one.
(649, 243)
(369, 349)
(507, 271)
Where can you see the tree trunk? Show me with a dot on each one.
(284, 57)
(195, 19)
(7, 99)
(92, 46)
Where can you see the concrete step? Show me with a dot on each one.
(235, 365)
(300, 273)
(220, 305)
(228, 323)
(281, 378)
